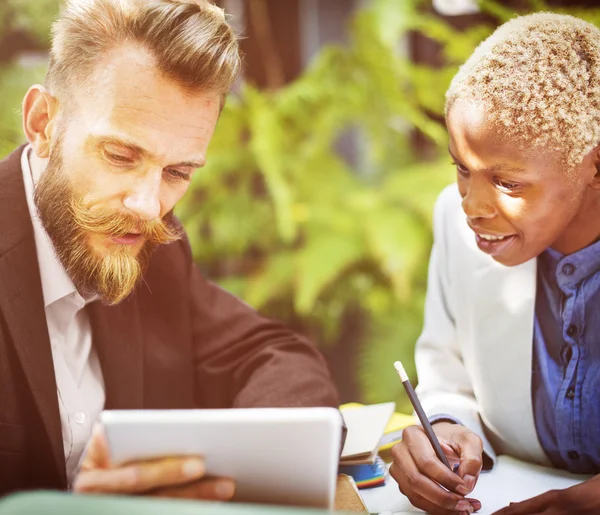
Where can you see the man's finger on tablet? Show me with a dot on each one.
(141, 477)
(96, 454)
(218, 489)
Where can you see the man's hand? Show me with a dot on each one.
(426, 481)
(168, 477)
(580, 499)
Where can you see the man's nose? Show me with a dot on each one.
(144, 197)
(477, 204)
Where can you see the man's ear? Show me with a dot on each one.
(40, 114)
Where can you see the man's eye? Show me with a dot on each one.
(177, 175)
(117, 158)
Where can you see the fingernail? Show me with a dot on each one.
(225, 489)
(462, 490)
(470, 481)
(475, 503)
(463, 505)
(131, 477)
(193, 468)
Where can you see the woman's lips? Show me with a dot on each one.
(494, 245)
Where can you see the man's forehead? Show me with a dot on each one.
(133, 98)
(128, 77)
(192, 122)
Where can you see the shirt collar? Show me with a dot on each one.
(572, 269)
(56, 284)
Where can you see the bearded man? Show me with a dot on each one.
(101, 305)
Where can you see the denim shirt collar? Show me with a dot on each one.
(572, 269)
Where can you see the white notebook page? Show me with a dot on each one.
(510, 480)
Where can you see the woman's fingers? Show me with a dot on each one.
(433, 509)
(414, 475)
(426, 481)
(428, 464)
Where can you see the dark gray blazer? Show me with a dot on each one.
(178, 341)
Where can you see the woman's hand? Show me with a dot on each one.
(426, 481)
(582, 499)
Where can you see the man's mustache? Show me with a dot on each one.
(159, 231)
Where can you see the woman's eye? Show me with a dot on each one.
(461, 169)
(507, 185)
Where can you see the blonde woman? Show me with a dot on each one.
(509, 357)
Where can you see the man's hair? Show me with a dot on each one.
(190, 39)
(538, 79)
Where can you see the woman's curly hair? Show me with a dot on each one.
(538, 79)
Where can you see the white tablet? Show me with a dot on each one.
(276, 455)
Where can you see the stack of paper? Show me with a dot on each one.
(366, 425)
(393, 431)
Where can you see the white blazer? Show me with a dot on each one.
(474, 356)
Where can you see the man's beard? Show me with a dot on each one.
(70, 223)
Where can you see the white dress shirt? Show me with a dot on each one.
(80, 387)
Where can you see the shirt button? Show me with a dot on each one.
(570, 393)
(80, 417)
(568, 269)
(574, 455)
(566, 354)
(572, 330)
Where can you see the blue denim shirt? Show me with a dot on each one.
(566, 358)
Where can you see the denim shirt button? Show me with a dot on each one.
(568, 269)
(572, 330)
(566, 353)
(574, 455)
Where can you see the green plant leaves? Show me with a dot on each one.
(274, 279)
(34, 16)
(399, 242)
(268, 134)
(417, 186)
(321, 260)
(391, 336)
(14, 83)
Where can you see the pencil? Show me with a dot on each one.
(421, 414)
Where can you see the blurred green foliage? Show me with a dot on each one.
(299, 229)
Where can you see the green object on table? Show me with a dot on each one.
(40, 503)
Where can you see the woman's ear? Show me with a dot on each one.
(40, 110)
